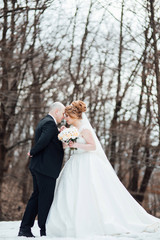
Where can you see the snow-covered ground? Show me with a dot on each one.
(9, 231)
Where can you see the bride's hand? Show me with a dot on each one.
(62, 128)
(65, 145)
(72, 144)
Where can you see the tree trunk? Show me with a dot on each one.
(118, 98)
(156, 59)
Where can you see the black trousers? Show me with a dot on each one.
(39, 202)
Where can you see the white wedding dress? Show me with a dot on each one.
(91, 201)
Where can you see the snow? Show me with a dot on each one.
(9, 231)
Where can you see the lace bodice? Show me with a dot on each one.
(80, 139)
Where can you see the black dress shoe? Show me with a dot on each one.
(25, 233)
(42, 233)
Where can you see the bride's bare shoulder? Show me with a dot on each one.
(83, 128)
(86, 133)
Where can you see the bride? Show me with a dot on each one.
(89, 198)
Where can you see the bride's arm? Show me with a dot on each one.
(90, 143)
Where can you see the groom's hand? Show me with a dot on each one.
(29, 154)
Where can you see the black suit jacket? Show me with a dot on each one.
(48, 151)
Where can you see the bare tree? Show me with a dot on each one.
(16, 53)
(44, 60)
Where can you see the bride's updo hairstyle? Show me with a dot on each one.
(76, 109)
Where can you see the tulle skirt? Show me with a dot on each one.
(91, 201)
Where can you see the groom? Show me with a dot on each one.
(46, 162)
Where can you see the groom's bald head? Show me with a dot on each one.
(57, 111)
(56, 105)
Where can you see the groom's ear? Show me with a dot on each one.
(56, 112)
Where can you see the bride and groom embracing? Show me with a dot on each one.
(89, 199)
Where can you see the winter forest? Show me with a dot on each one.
(105, 53)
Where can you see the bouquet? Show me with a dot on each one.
(68, 134)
